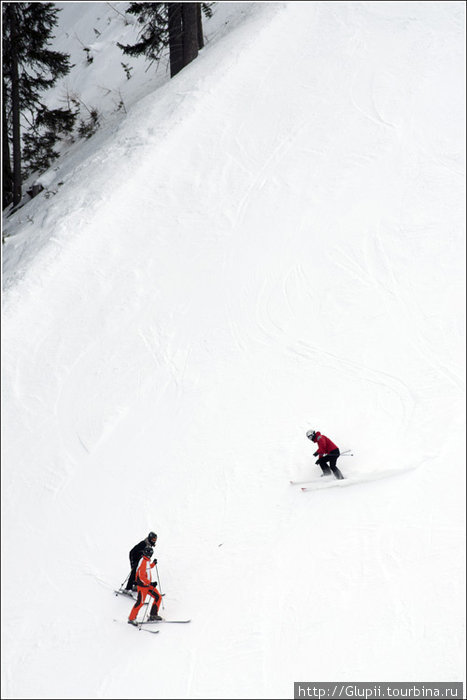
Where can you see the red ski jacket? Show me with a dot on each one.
(325, 445)
(143, 574)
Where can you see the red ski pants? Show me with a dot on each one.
(142, 593)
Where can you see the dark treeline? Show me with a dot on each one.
(31, 130)
(29, 68)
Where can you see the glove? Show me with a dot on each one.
(315, 454)
(154, 561)
(154, 584)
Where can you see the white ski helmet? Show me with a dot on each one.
(311, 435)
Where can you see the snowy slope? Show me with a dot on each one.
(272, 241)
(102, 85)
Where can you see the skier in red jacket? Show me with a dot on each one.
(327, 453)
(145, 586)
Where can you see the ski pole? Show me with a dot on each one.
(124, 583)
(346, 453)
(160, 588)
(145, 613)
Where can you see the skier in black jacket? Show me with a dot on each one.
(135, 555)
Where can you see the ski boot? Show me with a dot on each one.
(154, 617)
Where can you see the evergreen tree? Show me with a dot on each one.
(29, 68)
(177, 25)
(39, 143)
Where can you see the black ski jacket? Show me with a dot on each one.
(137, 552)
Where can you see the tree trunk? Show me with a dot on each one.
(174, 10)
(15, 110)
(200, 25)
(7, 194)
(190, 31)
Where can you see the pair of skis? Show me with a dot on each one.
(142, 625)
(129, 594)
(123, 591)
(315, 484)
(155, 622)
(356, 479)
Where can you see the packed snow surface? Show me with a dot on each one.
(271, 241)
